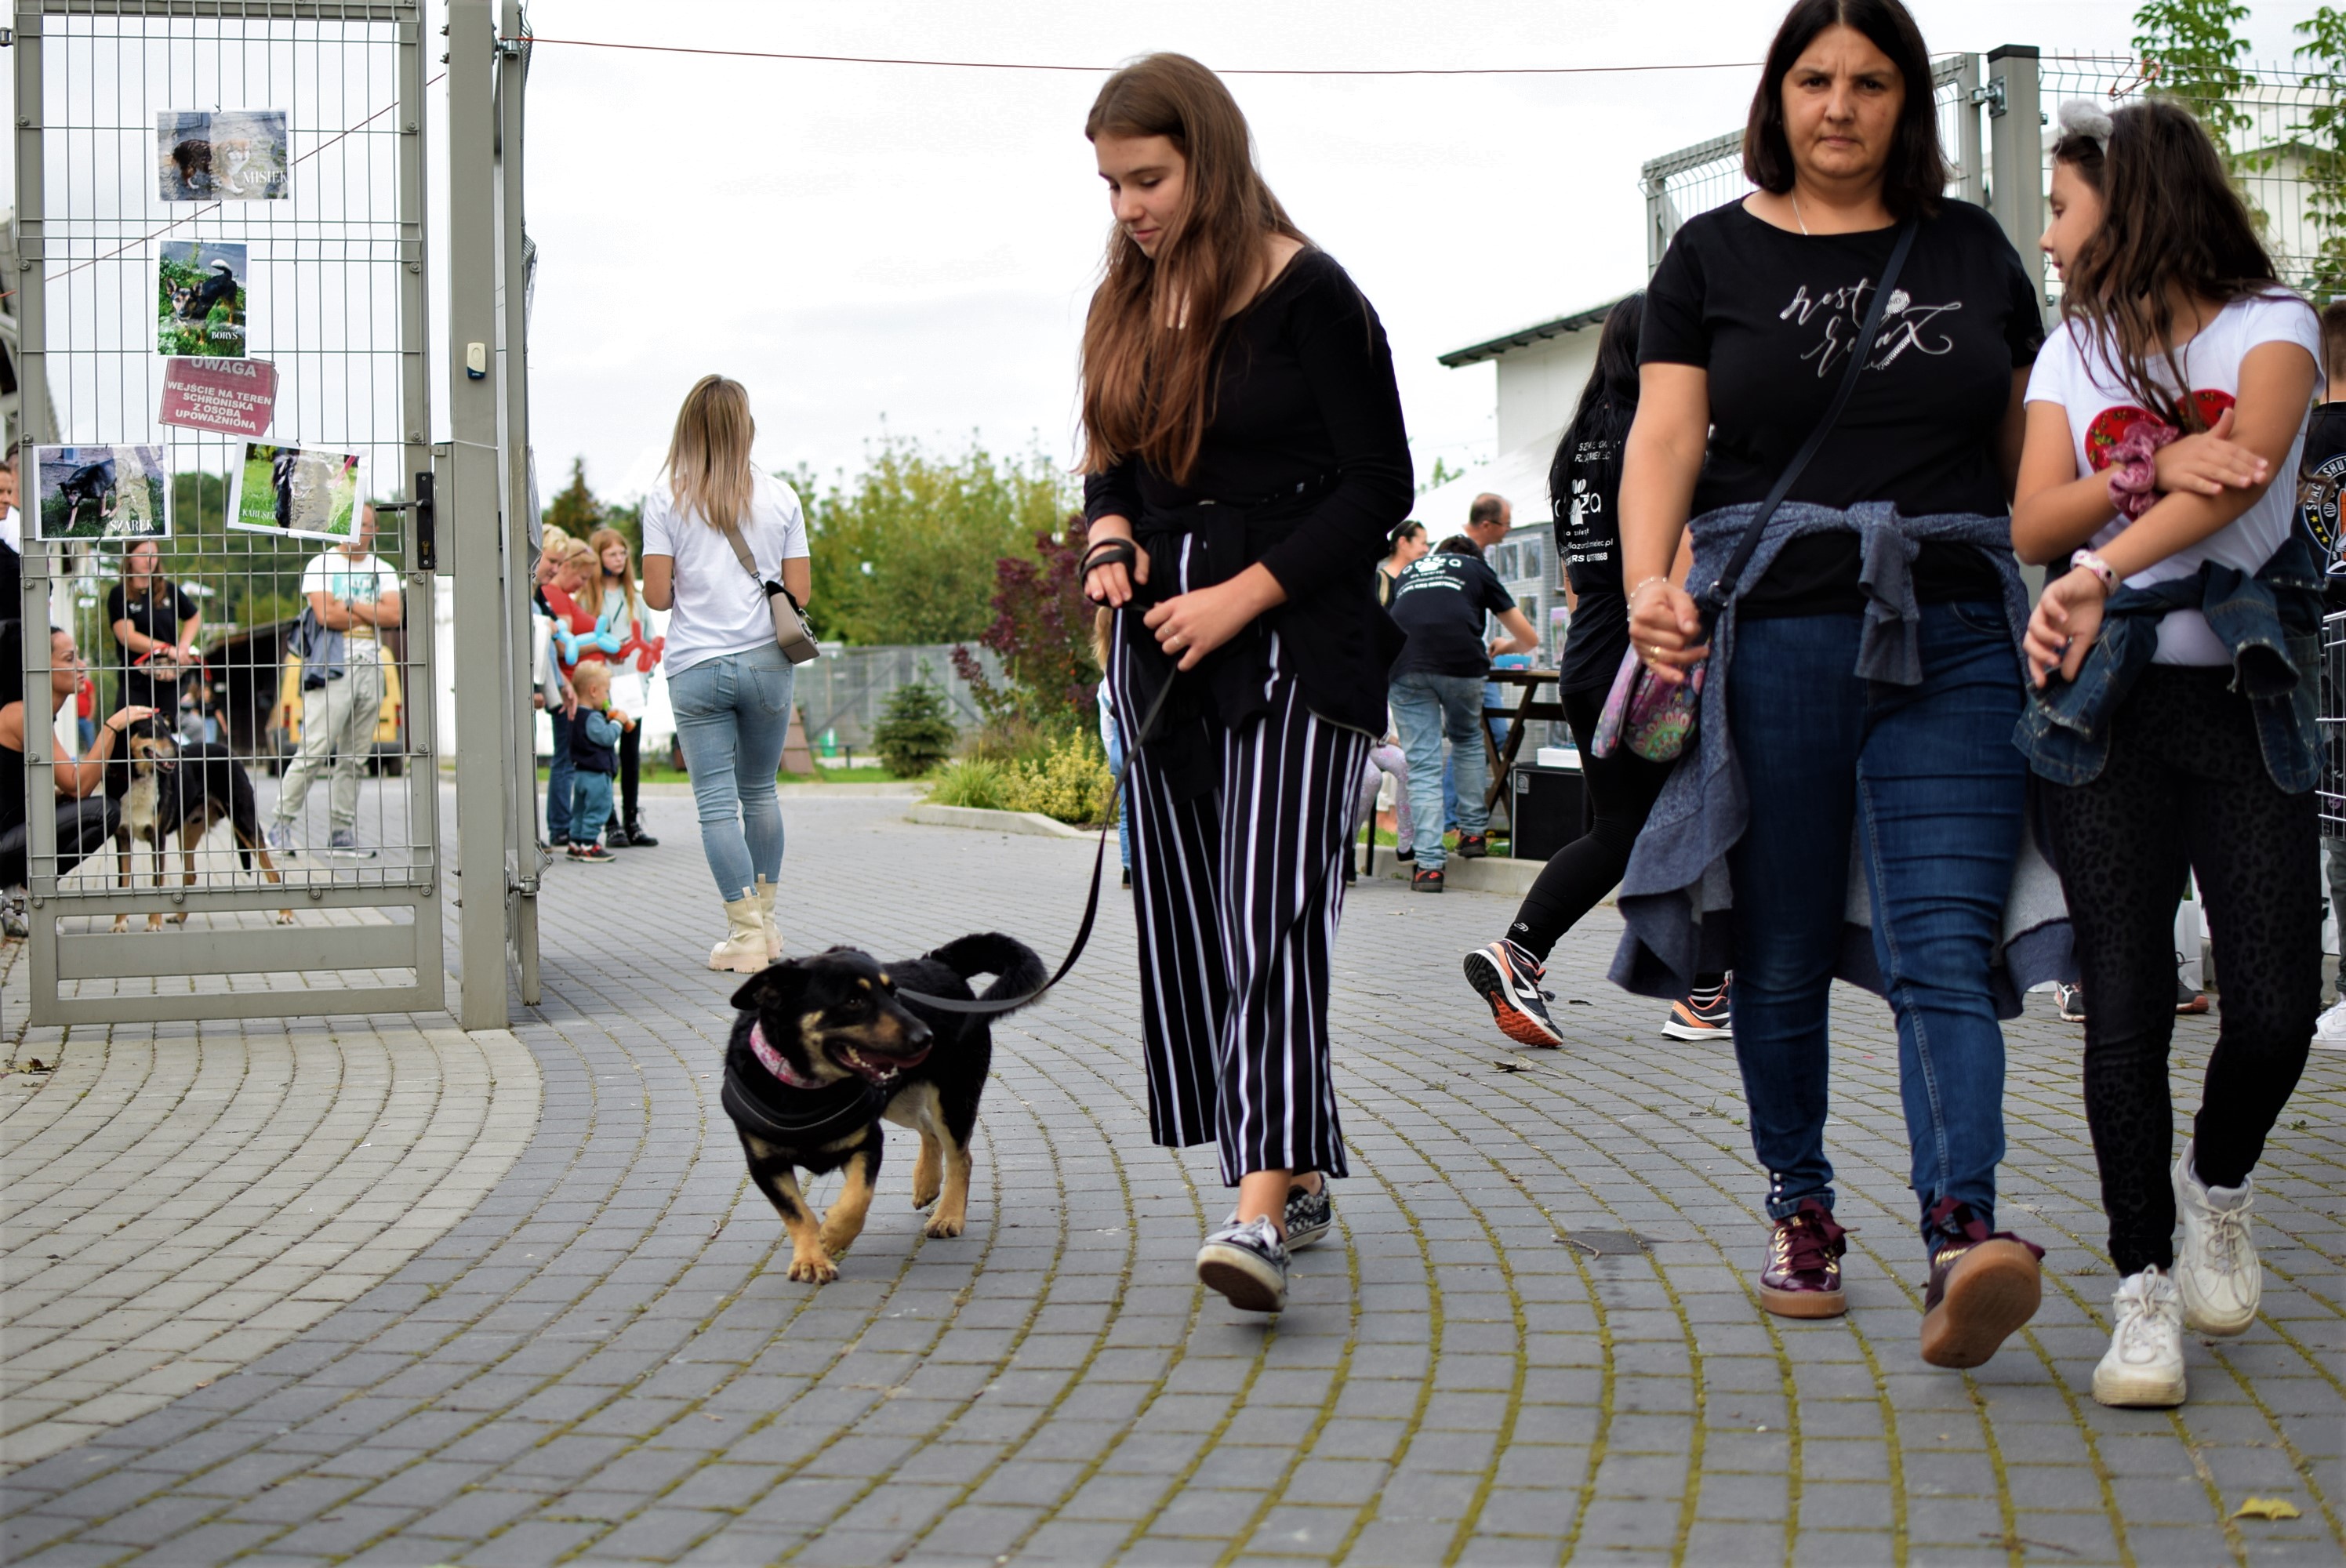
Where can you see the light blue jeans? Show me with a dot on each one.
(1431, 708)
(732, 716)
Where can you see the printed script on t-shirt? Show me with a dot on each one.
(1838, 315)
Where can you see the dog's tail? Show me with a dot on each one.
(1014, 966)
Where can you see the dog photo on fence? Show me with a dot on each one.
(223, 154)
(200, 299)
(101, 493)
(293, 491)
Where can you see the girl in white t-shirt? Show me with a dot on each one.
(2158, 420)
(727, 678)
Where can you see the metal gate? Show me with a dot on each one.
(212, 194)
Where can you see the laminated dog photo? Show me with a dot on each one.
(223, 154)
(297, 491)
(201, 299)
(92, 492)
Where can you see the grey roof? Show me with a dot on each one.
(1578, 320)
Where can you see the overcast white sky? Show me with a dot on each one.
(868, 242)
(863, 243)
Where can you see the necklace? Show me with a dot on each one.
(1796, 212)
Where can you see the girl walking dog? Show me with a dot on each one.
(1245, 466)
(2172, 714)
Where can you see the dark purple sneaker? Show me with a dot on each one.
(1802, 1277)
(1983, 1285)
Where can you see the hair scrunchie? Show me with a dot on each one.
(2134, 466)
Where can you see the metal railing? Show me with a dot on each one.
(275, 821)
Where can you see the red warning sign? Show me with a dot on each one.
(235, 397)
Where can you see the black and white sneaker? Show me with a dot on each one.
(1247, 1263)
(1508, 979)
(1310, 1216)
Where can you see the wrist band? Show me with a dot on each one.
(1643, 581)
(2134, 467)
(2098, 567)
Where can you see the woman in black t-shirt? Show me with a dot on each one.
(1245, 464)
(1584, 481)
(155, 626)
(1867, 674)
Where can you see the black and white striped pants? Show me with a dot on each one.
(1238, 893)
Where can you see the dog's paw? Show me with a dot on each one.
(941, 1228)
(284, 917)
(923, 1197)
(817, 1269)
(178, 917)
(121, 925)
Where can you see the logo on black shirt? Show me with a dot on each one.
(1842, 309)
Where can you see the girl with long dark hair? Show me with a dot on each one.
(1585, 483)
(1245, 464)
(2172, 719)
(1865, 673)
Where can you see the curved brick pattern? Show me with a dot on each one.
(182, 1201)
(605, 1363)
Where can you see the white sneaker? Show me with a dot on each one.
(2330, 1029)
(2143, 1368)
(2215, 1269)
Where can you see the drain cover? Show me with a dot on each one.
(1602, 1243)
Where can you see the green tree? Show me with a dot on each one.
(905, 551)
(915, 733)
(2324, 55)
(574, 508)
(2192, 54)
(1442, 473)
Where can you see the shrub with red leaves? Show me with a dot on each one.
(1043, 630)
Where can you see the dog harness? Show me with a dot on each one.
(814, 1113)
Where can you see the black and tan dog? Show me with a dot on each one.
(825, 1048)
(164, 790)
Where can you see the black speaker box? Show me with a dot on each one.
(1547, 810)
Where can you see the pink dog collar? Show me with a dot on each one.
(771, 1060)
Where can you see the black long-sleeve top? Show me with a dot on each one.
(1306, 438)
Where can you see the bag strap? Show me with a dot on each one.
(1721, 591)
(741, 552)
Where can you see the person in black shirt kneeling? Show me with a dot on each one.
(1245, 464)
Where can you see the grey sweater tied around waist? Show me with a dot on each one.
(1677, 897)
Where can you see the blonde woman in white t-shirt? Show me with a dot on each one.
(2168, 663)
(728, 681)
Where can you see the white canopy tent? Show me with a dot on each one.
(1520, 476)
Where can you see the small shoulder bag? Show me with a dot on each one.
(1658, 717)
(791, 633)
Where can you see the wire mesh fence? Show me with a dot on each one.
(228, 324)
(2267, 130)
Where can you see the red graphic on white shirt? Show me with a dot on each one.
(2110, 425)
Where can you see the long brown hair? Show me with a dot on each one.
(1149, 377)
(601, 540)
(708, 455)
(2170, 219)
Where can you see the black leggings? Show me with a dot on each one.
(2185, 785)
(83, 828)
(1622, 789)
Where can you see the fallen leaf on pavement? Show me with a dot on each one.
(2266, 1508)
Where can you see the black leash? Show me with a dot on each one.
(993, 1005)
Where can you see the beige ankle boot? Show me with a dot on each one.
(743, 951)
(766, 913)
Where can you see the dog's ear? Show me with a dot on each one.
(773, 984)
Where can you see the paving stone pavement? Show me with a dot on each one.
(603, 1361)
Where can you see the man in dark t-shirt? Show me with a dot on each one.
(1437, 685)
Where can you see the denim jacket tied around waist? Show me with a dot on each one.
(2272, 620)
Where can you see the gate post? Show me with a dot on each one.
(483, 741)
(2016, 153)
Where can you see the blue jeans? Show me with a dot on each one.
(732, 716)
(559, 778)
(1114, 737)
(1431, 708)
(591, 804)
(1930, 782)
